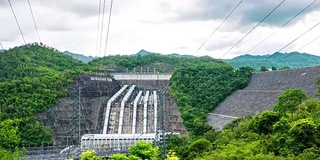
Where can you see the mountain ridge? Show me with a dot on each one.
(277, 60)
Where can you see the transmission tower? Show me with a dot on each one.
(160, 132)
(75, 134)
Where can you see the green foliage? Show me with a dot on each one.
(118, 157)
(32, 78)
(90, 155)
(172, 156)
(144, 150)
(303, 131)
(11, 154)
(9, 133)
(318, 87)
(118, 63)
(263, 123)
(199, 87)
(264, 69)
(269, 135)
(198, 147)
(80, 57)
(289, 100)
(141, 151)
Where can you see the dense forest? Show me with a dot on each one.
(199, 87)
(32, 79)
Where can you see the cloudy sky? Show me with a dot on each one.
(163, 26)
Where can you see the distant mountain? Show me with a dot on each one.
(1, 50)
(277, 60)
(80, 57)
(144, 52)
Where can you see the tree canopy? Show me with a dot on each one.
(32, 78)
(199, 87)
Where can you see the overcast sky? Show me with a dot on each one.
(162, 26)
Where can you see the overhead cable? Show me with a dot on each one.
(295, 40)
(1, 46)
(101, 29)
(283, 25)
(110, 12)
(219, 25)
(253, 28)
(17, 22)
(98, 28)
(34, 21)
(308, 43)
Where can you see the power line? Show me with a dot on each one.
(110, 12)
(295, 40)
(98, 29)
(309, 43)
(34, 21)
(253, 28)
(283, 25)
(101, 32)
(219, 25)
(1, 46)
(17, 22)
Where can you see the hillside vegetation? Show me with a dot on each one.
(277, 60)
(32, 79)
(291, 131)
(80, 57)
(125, 63)
(199, 87)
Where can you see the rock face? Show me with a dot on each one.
(95, 91)
(262, 93)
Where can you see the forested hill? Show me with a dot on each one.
(144, 53)
(29, 60)
(80, 57)
(32, 78)
(277, 60)
(144, 59)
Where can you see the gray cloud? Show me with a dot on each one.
(250, 11)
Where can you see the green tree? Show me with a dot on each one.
(263, 123)
(90, 155)
(118, 157)
(198, 147)
(318, 87)
(9, 133)
(144, 151)
(289, 100)
(303, 131)
(172, 155)
(11, 154)
(264, 69)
